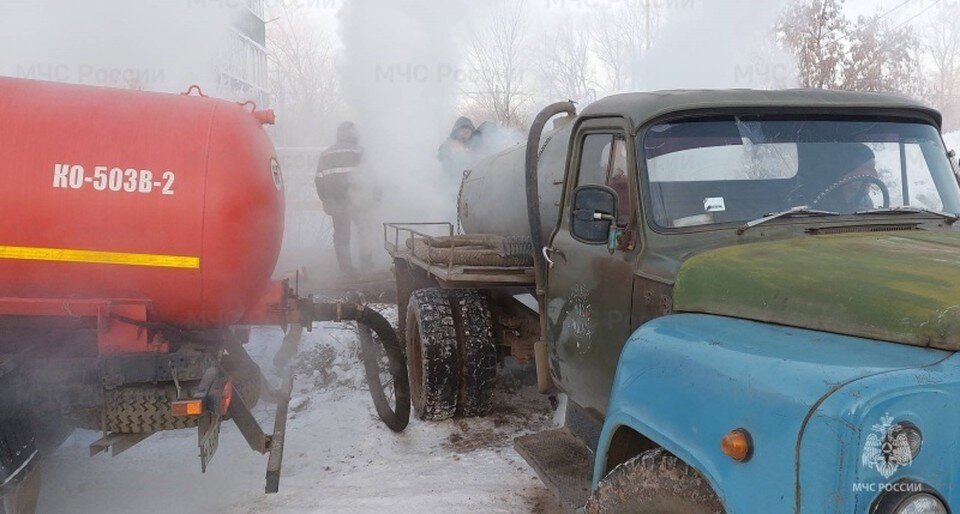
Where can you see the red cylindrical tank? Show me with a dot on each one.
(117, 194)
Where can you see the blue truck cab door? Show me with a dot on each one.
(591, 279)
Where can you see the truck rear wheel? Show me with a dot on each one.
(655, 482)
(23, 497)
(19, 467)
(432, 348)
(478, 353)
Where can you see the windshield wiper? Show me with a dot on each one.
(905, 209)
(800, 210)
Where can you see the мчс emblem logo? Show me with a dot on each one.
(887, 448)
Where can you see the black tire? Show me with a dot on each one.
(654, 482)
(432, 348)
(22, 497)
(386, 370)
(19, 456)
(478, 353)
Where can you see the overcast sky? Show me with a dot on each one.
(165, 35)
(907, 10)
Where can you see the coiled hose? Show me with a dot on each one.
(387, 357)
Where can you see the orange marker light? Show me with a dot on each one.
(738, 445)
(185, 408)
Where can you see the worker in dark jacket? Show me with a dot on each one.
(456, 153)
(344, 192)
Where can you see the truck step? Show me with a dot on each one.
(563, 463)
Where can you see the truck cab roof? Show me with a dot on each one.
(641, 108)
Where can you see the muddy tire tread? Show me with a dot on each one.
(430, 313)
(478, 354)
(654, 481)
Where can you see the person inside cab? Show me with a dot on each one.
(837, 177)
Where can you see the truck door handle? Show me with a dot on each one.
(547, 251)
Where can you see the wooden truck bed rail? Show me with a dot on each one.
(449, 274)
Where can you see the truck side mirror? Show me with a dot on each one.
(593, 215)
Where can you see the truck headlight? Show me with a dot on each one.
(913, 435)
(908, 497)
(922, 503)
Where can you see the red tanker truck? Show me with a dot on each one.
(138, 239)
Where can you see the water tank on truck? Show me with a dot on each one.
(141, 229)
(175, 199)
(493, 194)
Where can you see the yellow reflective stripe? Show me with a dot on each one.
(94, 257)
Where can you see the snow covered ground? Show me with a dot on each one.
(339, 458)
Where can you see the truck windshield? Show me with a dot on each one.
(736, 169)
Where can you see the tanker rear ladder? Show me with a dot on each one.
(402, 240)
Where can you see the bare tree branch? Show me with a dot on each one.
(567, 67)
(621, 38)
(303, 77)
(814, 31)
(833, 53)
(497, 58)
(942, 46)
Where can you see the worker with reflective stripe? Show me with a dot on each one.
(338, 186)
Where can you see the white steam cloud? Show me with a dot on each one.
(398, 80)
(155, 45)
(717, 44)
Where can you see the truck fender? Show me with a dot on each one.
(684, 381)
(624, 437)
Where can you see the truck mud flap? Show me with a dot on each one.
(208, 438)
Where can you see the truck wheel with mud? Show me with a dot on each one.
(477, 350)
(23, 497)
(19, 467)
(432, 348)
(655, 482)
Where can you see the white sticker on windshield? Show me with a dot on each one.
(714, 204)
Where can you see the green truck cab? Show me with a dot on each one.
(710, 277)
